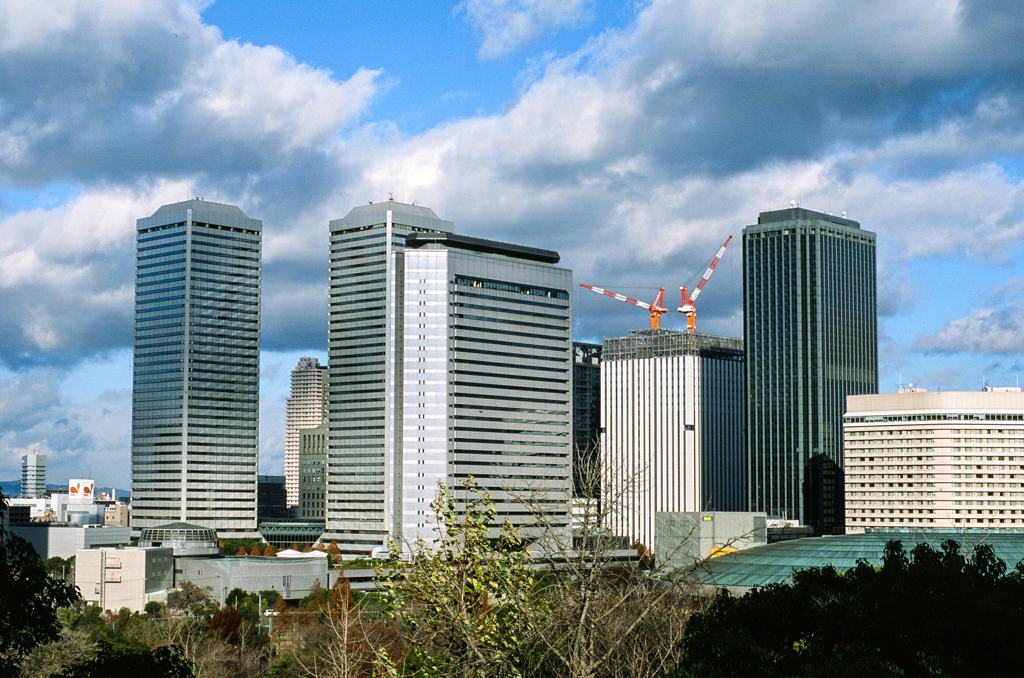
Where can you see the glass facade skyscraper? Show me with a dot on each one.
(448, 357)
(810, 323)
(586, 416)
(195, 398)
(364, 346)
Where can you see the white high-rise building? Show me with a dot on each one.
(33, 475)
(672, 414)
(306, 408)
(195, 387)
(449, 357)
(946, 460)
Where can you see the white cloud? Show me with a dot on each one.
(985, 330)
(124, 89)
(504, 25)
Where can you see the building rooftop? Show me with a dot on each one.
(799, 214)
(401, 213)
(200, 207)
(660, 343)
(919, 400)
(464, 242)
(775, 563)
(178, 526)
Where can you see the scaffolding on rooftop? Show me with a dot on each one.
(659, 343)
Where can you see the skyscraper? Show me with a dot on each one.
(586, 416)
(33, 475)
(306, 408)
(672, 412)
(448, 356)
(195, 400)
(811, 330)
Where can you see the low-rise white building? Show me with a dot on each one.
(124, 577)
(935, 460)
(64, 539)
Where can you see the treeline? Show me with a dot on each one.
(472, 606)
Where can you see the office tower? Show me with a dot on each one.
(673, 412)
(948, 460)
(271, 499)
(195, 400)
(313, 474)
(449, 356)
(811, 330)
(33, 475)
(586, 416)
(306, 408)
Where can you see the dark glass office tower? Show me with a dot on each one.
(195, 399)
(586, 414)
(811, 328)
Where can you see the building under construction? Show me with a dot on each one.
(673, 415)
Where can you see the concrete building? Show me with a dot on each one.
(182, 538)
(272, 499)
(810, 324)
(306, 408)
(195, 397)
(113, 578)
(290, 577)
(920, 460)
(116, 515)
(586, 417)
(33, 475)
(449, 356)
(672, 412)
(313, 474)
(64, 539)
(686, 540)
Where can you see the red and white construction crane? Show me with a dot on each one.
(656, 309)
(688, 301)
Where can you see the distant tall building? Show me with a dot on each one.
(586, 416)
(947, 461)
(33, 475)
(672, 413)
(449, 356)
(306, 408)
(270, 499)
(810, 322)
(195, 399)
(312, 474)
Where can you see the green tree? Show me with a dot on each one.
(192, 599)
(932, 613)
(29, 598)
(458, 600)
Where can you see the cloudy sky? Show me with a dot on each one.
(632, 137)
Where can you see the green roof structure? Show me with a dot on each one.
(775, 563)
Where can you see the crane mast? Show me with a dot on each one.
(687, 306)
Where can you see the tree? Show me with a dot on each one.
(343, 644)
(934, 613)
(256, 550)
(227, 624)
(333, 549)
(241, 551)
(192, 599)
(459, 599)
(269, 551)
(29, 598)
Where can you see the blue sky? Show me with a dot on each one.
(632, 137)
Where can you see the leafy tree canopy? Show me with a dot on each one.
(29, 598)
(929, 613)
